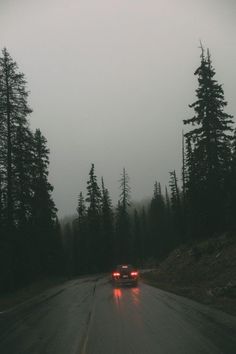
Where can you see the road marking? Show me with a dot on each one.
(91, 312)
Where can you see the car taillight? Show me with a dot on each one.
(116, 274)
(134, 274)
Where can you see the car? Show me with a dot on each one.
(125, 274)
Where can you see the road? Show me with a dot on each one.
(89, 316)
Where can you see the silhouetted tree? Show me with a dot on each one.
(157, 221)
(176, 208)
(137, 238)
(94, 221)
(210, 140)
(81, 237)
(14, 110)
(43, 219)
(123, 227)
(107, 228)
(30, 241)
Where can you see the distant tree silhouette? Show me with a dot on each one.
(176, 208)
(123, 227)
(81, 237)
(157, 221)
(137, 238)
(94, 221)
(107, 219)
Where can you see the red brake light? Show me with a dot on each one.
(116, 274)
(134, 274)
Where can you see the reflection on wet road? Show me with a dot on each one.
(91, 317)
(144, 320)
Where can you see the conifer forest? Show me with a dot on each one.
(198, 203)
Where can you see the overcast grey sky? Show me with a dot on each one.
(111, 81)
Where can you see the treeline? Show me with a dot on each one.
(29, 230)
(203, 206)
(103, 235)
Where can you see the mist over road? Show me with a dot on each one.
(89, 316)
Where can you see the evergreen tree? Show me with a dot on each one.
(231, 190)
(137, 238)
(123, 227)
(23, 160)
(30, 234)
(107, 228)
(14, 110)
(175, 194)
(157, 221)
(125, 190)
(81, 237)
(44, 210)
(211, 141)
(176, 209)
(145, 235)
(43, 219)
(14, 171)
(94, 221)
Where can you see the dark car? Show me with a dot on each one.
(125, 274)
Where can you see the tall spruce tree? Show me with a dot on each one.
(137, 238)
(123, 227)
(177, 210)
(107, 228)
(94, 221)
(43, 219)
(211, 141)
(231, 189)
(15, 148)
(80, 237)
(14, 110)
(157, 221)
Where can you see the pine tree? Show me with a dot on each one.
(145, 235)
(123, 227)
(14, 110)
(94, 221)
(1, 206)
(44, 210)
(43, 219)
(137, 238)
(176, 208)
(157, 221)
(231, 190)
(14, 171)
(93, 195)
(210, 139)
(81, 237)
(107, 228)
(175, 194)
(125, 190)
(23, 159)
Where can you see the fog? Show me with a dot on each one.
(111, 81)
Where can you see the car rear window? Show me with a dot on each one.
(125, 267)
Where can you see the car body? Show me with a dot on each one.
(125, 274)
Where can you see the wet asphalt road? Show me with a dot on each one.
(89, 316)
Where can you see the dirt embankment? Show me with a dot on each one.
(205, 272)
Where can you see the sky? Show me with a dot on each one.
(110, 82)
